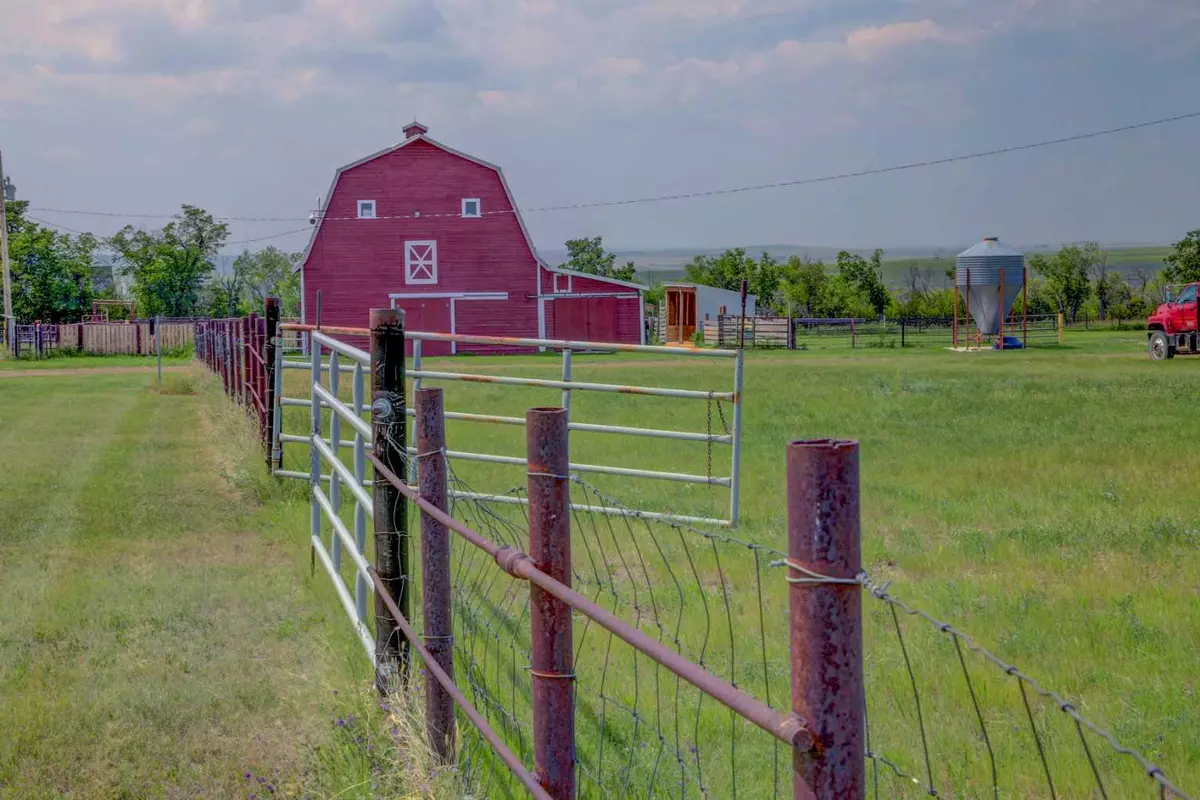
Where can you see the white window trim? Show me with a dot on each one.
(408, 262)
(568, 290)
(478, 207)
(374, 209)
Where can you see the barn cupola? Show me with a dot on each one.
(414, 128)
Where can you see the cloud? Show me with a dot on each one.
(875, 41)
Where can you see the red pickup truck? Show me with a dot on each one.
(1174, 326)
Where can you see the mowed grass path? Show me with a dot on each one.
(160, 635)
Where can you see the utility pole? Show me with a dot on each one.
(9, 322)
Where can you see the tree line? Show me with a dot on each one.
(1075, 280)
(169, 272)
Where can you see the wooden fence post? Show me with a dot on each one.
(825, 603)
(552, 667)
(390, 441)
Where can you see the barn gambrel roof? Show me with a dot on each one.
(503, 182)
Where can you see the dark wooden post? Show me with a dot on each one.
(391, 508)
(435, 570)
(825, 601)
(552, 671)
(271, 312)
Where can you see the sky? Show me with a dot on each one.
(247, 107)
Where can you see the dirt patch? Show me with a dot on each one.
(59, 373)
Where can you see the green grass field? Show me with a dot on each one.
(1039, 500)
(167, 636)
(161, 636)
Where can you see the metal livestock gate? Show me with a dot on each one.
(731, 437)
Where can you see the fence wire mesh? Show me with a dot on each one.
(641, 730)
(956, 720)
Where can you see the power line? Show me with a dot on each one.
(662, 198)
(240, 241)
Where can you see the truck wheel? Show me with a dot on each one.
(1160, 346)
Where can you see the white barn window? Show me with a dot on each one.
(420, 262)
(366, 209)
(471, 207)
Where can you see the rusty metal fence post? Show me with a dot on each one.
(825, 601)
(389, 443)
(435, 569)
(271, 312)
(552, 668)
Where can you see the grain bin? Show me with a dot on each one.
(990, 276)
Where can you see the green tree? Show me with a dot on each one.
(169, 267)
(866, 277)
(51, 271)
(764, 282)
(1118, 299)
(227, 293)
(803, 285)
(764, 276)
(1183, 263)
(589, 255)
(272, 273)
(843, 297)
(1066, 275)
(725, 271)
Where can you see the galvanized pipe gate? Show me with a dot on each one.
(730, 436)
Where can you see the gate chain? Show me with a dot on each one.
(724, 424)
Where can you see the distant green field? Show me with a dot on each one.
(1040, 500)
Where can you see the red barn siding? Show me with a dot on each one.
(418, 189)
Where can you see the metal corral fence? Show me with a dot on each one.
(816, 334)
(104, 338)
(727, 421)
(647, 656)
(242, 351)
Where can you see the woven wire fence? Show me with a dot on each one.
(640, 730)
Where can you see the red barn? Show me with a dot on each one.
(433, 231)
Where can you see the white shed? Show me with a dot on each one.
(686, 306)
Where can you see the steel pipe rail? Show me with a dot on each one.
(554, 344)
(586, 427)
(338, 346)
(516, 461)
(342, 531)
(347, 413)
(786, 727)
(305, 365)
(559, 344)
(293, 439)
(343, 472)
(613, 388)
(343, 594)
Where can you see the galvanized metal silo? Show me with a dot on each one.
(989, 276)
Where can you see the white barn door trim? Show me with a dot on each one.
(420, 261)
